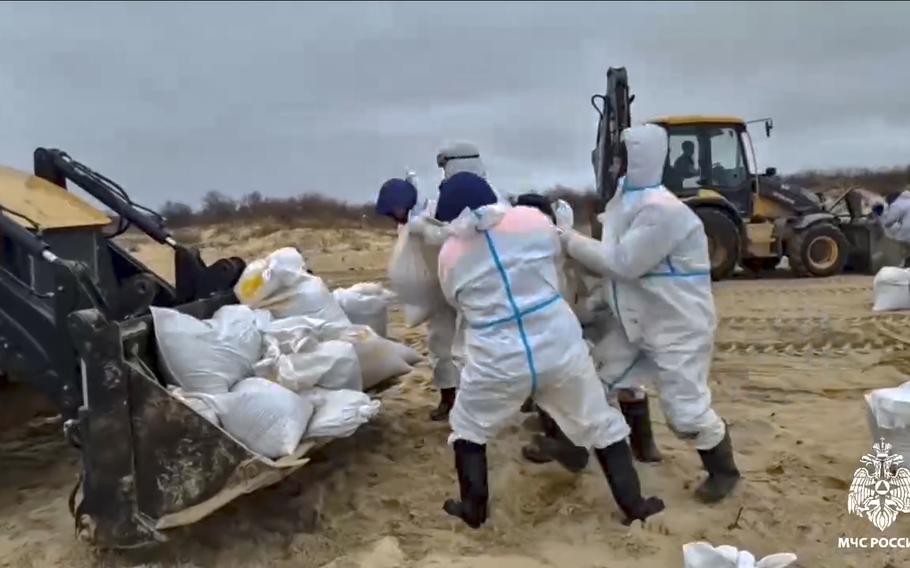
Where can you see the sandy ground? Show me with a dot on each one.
(793, 359)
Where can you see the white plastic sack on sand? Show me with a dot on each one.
(207, 356)
(891, 289)
(338, 413)
(380, 359)
(411, 278)
(266, 417)
(703, 555)
(330, 364)
(281, 284)
(202, 404)
(366, 303)
(889, 417)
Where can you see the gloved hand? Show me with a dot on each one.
(411, 178)
(429, 229)
(565, 217)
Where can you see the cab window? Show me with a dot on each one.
(704, 156)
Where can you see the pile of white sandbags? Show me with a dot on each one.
(285, 365)
(891, 289)
(704, 555)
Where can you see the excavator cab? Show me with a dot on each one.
(751, 219)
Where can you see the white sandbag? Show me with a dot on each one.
(366, 303)
(281, 284)
(265, 278)
(704, 555)
(311, 298)
(202, 404)
(242, 325)
(891, 289)
(889, 417)
(411, 278)
(408, 354)
(330, 364)
(380, 359)
(415, 315)
(206, 356)
(266, 417)
(338, 413)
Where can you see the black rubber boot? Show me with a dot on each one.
(617, 464)
(471, 464)
(723, 474)
(555, 445)
(544, 450)
(641, 438)
(446, 402)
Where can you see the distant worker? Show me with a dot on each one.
(653, 255)
(498, 268)
(398, 200)
(460, 157)
(684, 166)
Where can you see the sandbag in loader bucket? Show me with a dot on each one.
(150, 461)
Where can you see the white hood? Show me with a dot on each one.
(456, 164)
(478, 220)
(646, 146)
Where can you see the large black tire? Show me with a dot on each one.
(818, 250)
(723, 241)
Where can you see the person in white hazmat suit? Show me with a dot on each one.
(553, 444)
(398, 200)
(498, 268)
(460, 157)
(653, 254)
(894, 217)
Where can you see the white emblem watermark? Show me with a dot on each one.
(880, 489)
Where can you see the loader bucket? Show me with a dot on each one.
(871, 249)
(150, 462)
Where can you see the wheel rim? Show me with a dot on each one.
(822, 252)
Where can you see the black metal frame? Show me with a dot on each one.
(86, 345)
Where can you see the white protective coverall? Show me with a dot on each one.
(895, 218)
(443, 337)
(654, 257)
(499, 270)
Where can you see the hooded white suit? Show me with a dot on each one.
(654, 257)
(461, 157)
(499, 269)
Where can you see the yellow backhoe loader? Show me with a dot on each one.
(751, 218)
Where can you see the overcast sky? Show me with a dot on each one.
(175, 99)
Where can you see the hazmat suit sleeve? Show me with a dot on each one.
(895, 219)
(653, 233)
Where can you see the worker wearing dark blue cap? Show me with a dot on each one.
(398, 200)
